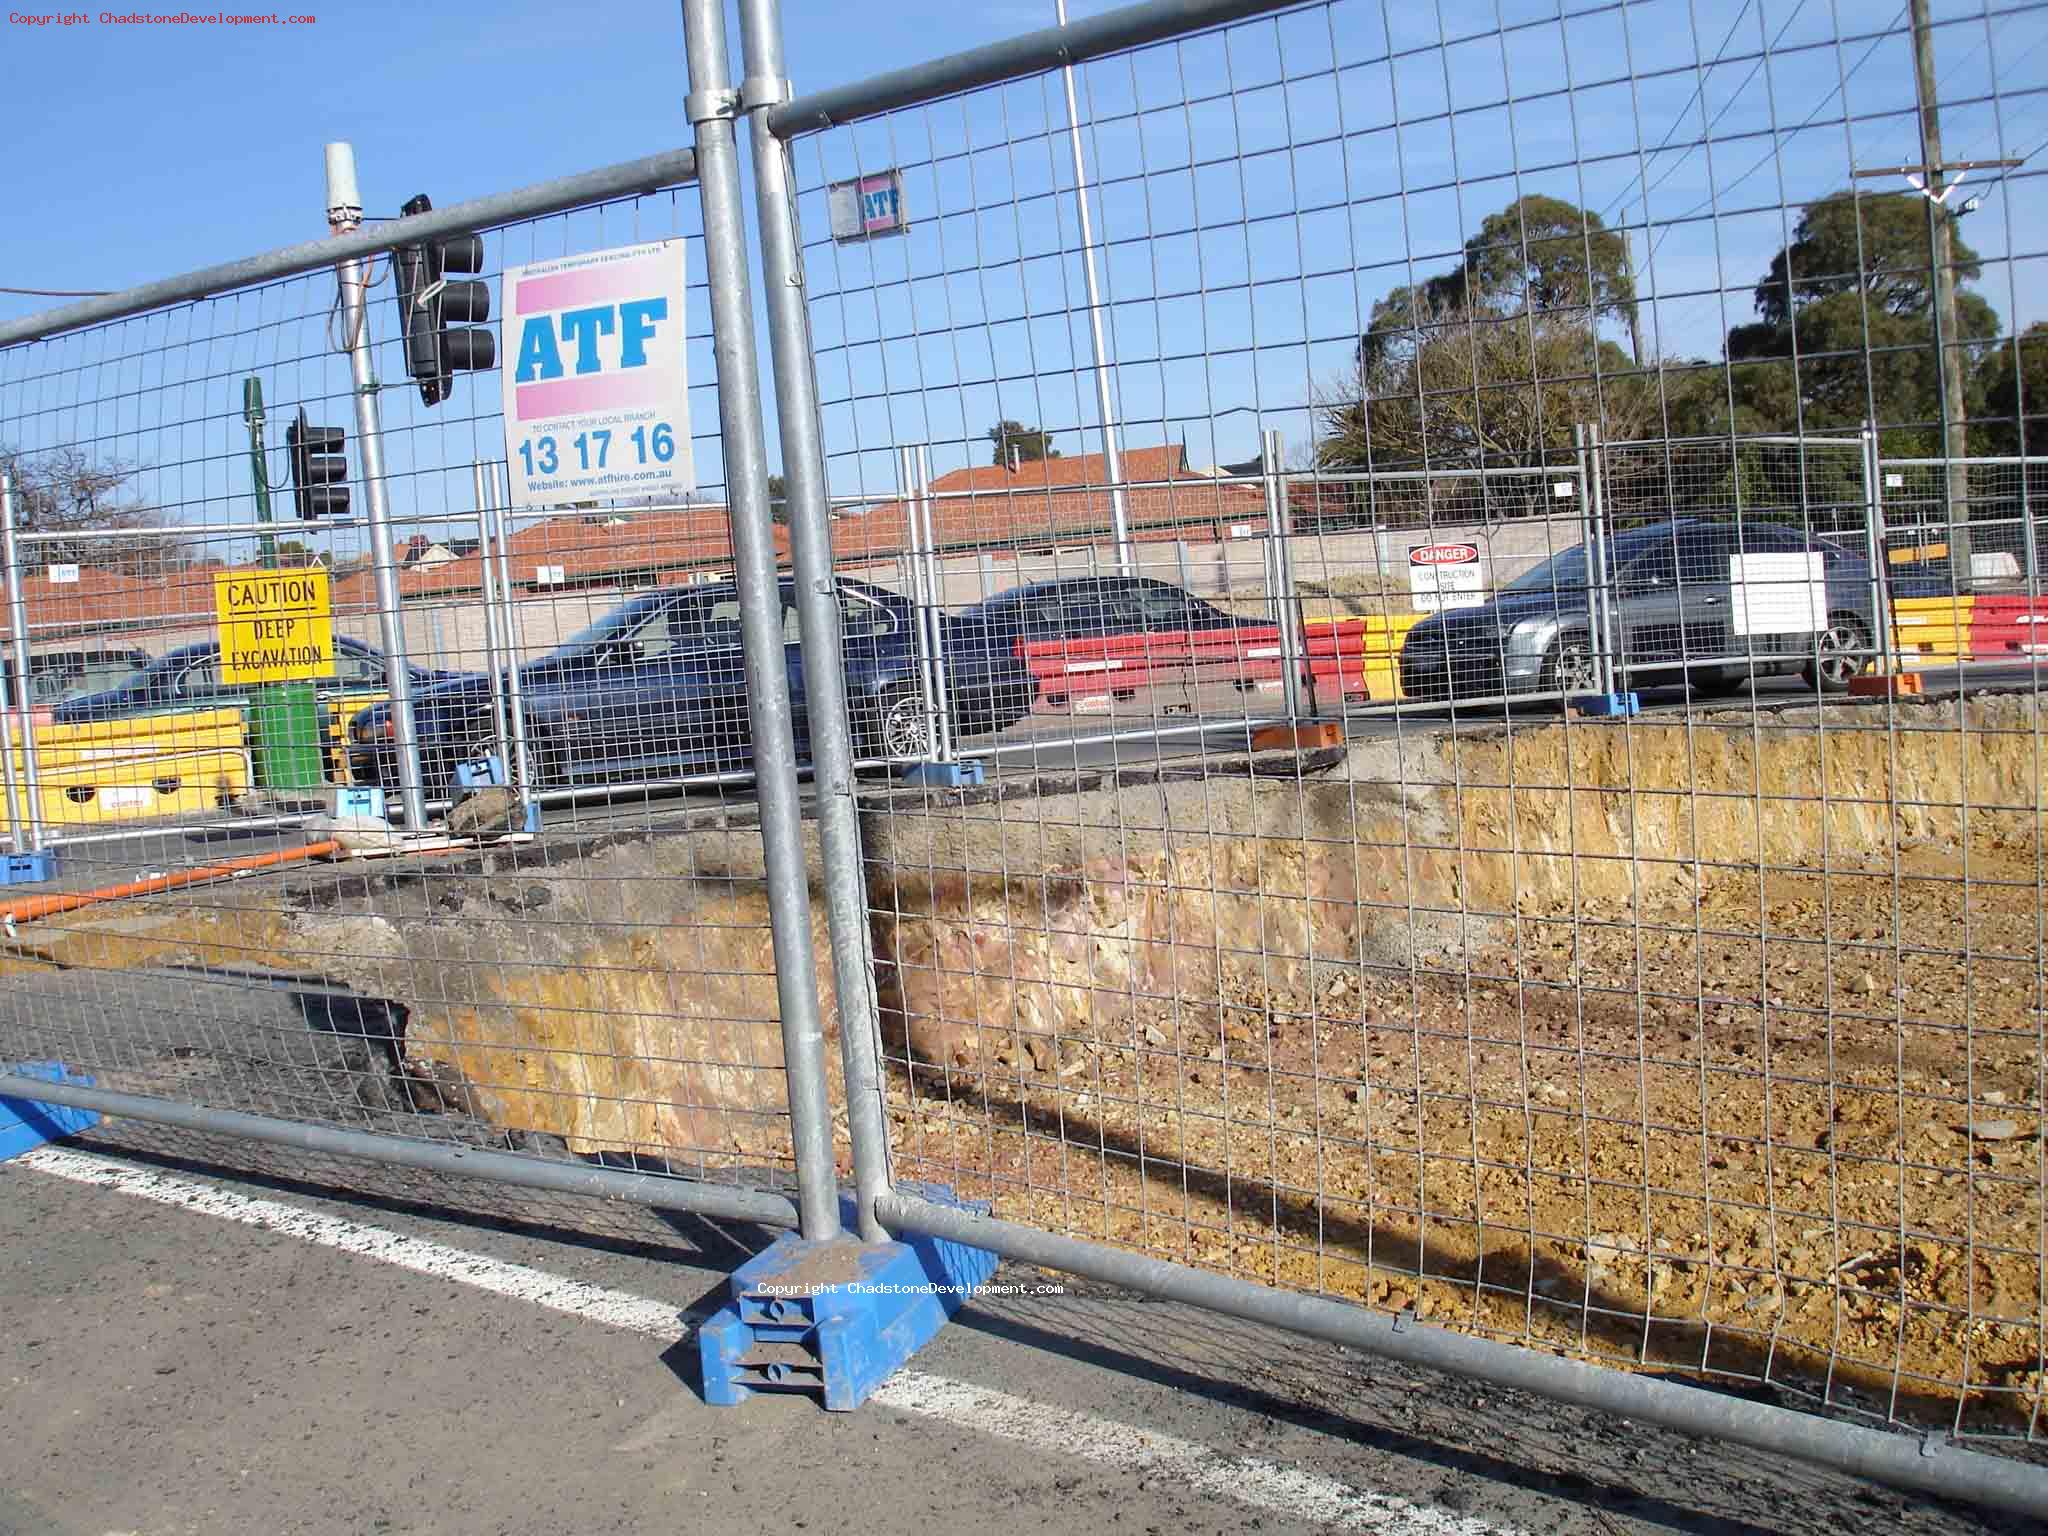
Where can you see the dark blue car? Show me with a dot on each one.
(657, 689)
(189, 678)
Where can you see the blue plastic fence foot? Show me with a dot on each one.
(26, 1124)
(28, 868)
(944, 775)
(487, 771)
(835, 1320)
(1608, 704)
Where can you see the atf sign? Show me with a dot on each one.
(867, 206)
(597, 401)
(1445, 576)
(275, 626)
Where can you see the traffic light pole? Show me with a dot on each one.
(344, 214)
(259, 466)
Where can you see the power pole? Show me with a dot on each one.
(1930, 178)
(1948, 330)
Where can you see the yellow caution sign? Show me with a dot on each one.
(275, 626)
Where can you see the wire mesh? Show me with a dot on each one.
(225, 925)
(1697, 1024)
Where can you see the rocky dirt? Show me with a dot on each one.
(1683, 1044)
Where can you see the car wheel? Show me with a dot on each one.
(1840, 652)
(1569, 666)
(897, 726)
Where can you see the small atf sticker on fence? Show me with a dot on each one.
(275, 626)
(867, 206)
(597, 403)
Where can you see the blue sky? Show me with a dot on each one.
(1258, 191)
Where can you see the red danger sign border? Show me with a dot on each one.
(1443, 554)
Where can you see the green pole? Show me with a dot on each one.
(259, 465)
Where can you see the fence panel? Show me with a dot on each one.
(1705, 1037)
(224, 931)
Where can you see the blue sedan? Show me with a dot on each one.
(189, 678)
(657, 689)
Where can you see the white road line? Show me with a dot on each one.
(1290, 1491)
(615, 1309)
(1284, 1491)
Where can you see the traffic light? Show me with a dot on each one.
(435, 314)
(319, 468)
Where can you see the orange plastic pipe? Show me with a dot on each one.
(70, 901)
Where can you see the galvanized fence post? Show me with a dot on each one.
(810, 539)
(344, 215)
(522, 766)
(1280, 575)
(932, 609)
(493, 636)
(1873, 525)
(23, 700)
(711, 109)
(1600, 594)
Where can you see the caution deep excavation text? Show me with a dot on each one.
(275, 627)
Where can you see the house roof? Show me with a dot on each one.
(987, 506)
(1046, 500)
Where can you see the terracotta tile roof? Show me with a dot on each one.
(1048, 500)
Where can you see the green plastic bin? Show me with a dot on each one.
(285, 748)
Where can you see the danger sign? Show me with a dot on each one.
(275, 626)
(1445, 576)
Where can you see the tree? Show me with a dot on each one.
(297, 552)
(65, 493)
(1028, 443)
(778, 499)
(1493, 362)
(2015, 379)
(1846, 330)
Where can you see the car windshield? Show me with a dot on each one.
(1561, 573)
(620, 621)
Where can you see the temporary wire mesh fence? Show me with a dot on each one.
(225, 929)
(1706, 1037)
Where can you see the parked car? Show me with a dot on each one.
(1673, 606)
(656, 688)
(1088, 607)
(189, 678)
(55, 676)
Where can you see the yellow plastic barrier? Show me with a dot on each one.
(199, 730)
(1379, 650)
(336, 710)
(85, 793)
(138, 767)
(1931, 627)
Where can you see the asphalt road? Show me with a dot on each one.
(165, 1370)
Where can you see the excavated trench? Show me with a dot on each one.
(1712, 1042)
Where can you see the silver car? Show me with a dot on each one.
(1674, 619)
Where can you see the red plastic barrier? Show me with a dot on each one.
(1250, 654)
(2008, 626)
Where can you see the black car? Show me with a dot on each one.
(54, 676)
(189, 678)
(1674, 618)
(657, 688)
(1089, 608)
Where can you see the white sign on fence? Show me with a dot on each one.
(867, 206)
(62, 573)
(1445, 576)
(1784, 594)
(597, 402)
